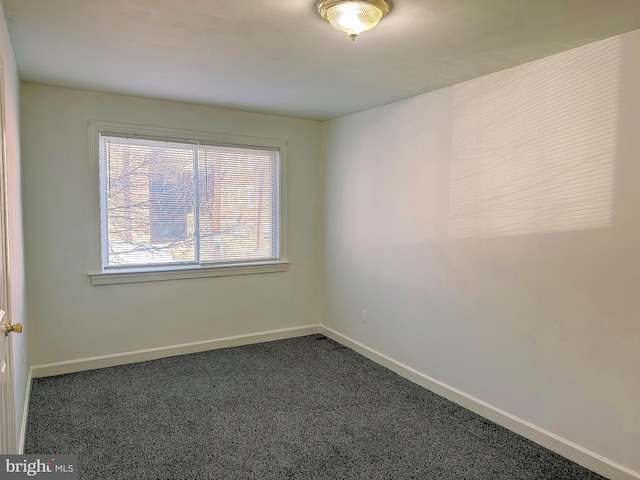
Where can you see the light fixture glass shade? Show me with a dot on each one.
(353, 16)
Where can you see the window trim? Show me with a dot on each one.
(100, 276)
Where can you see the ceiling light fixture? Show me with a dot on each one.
(353, 16)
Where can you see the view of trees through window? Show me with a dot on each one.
(171, 203)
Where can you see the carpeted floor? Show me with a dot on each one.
(305, 408)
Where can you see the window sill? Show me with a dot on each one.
(136, 276)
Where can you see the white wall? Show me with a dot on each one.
(71, 319)
(491, 231)
(17, 311)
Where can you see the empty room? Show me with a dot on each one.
(318, 239)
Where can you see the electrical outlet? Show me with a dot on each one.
(364, 316)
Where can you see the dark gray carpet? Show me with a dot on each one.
(305, 408)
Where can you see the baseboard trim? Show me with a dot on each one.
(25, 413)
(560, 445)
(111, 360)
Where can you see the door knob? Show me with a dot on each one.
(17, 328)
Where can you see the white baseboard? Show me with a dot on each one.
(25, 413)
(102, 361)
(562, 446)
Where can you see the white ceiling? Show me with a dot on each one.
(280, 57)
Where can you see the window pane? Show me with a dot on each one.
(171, 203)
(149, 193)
(238, 204)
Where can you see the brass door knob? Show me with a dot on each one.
(17, 328)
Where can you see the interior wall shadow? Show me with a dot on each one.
(533, 149)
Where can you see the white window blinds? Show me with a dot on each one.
(172, 203)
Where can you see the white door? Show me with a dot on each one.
(7, 423)
(7, 437)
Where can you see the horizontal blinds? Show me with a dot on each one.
(173, 203)
(238, 204)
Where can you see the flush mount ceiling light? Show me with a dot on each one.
(353, 16)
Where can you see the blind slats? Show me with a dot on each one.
(171, 203)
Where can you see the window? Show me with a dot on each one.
(178, 204)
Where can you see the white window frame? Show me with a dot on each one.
(101, 276)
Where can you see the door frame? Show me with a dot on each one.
(10, 423)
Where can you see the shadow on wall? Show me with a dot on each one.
(533, 151)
